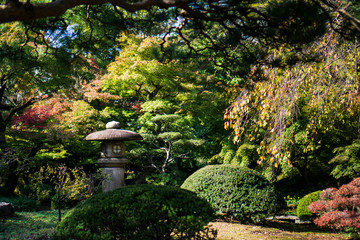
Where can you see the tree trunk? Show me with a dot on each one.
(12, 177)
(303, 171)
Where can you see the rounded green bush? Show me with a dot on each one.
(302, 210)
(139, 212)
(235, 192)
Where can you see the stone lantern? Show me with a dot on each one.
(112, 153)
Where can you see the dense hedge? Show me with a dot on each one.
(236, 192)
(139, 212)
(302, 210)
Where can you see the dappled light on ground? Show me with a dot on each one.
(279, 230)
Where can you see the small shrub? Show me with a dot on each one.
(339, 208)
(22, 204)
(139, 212)
(235, 192)
(37, 190)
(302, 210)
(65, 203)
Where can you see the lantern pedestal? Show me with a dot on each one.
(113, 172)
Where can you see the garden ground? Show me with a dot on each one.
(40, 225)
(273, 230)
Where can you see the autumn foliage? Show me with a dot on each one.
(339, 208)
(40, 113)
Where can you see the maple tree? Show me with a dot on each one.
(138, 71)
(339, 208)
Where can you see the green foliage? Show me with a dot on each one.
(236, 192)
(227, 153)
(158, 106)
(347, 161)
(21, 204)
(244, 156)
(139, 212)
(302, 210)
(169, 140)
(138, 71)
(70, 184)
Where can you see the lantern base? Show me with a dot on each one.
(113, 173)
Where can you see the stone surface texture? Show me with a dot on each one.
(6, 210)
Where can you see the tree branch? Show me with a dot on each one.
(28, 11)
(15, 110)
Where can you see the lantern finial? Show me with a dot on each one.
(113, 125)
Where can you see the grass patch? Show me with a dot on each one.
(29, 225)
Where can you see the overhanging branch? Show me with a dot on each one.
(28, 11)
(18, 109)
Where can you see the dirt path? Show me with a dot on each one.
(236, 231)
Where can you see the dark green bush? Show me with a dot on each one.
(302, 210)
(139, 212)
(21, 204)
(235, 192)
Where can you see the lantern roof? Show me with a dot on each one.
(113, 133)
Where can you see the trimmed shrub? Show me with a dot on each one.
(235, 192)
(139, 212)
(21, 204)
(302, 210)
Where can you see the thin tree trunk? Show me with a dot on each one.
(59, 205)
(12, 178)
